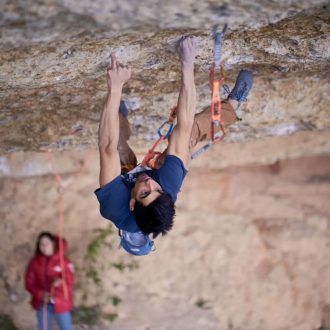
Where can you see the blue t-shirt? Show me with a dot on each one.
(114, 197)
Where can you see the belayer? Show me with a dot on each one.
(140, 201)
(49, 279)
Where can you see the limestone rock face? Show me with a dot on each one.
(52, 89)
(250, 248)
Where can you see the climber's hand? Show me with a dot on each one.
(118, 74)
(187, 49)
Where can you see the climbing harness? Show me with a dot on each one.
(152, 157)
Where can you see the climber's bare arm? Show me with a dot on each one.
(180, 138)
(109, 123)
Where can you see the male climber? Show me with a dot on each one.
(143, 203)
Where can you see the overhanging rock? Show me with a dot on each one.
(52, 93)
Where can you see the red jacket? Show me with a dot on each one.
(40, 274)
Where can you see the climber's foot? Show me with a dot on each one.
(123, 109)
(241, 90)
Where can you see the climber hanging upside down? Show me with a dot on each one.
(140, 201)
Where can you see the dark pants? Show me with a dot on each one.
(200, 132)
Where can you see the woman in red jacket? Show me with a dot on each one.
(50, 287)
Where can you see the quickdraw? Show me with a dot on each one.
(151, 158)
(216, 85)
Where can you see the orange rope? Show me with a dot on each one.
(61, 235)
(216, 108)
(58, 179)
(60, 227)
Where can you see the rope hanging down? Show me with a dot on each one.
(151, 158)
(60, 223)
(60, 230)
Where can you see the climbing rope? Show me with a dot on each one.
(151, 158)
(60, 230)
(60, 223)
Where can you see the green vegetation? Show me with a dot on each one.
(93, 270)
(96, 244)
(110, 317)
(116, 300)
(86, 315)
(90, 316)
(201, 303)
(7, 323)
(92, 252)
(122, 266)
(94, 248)
(92, 273)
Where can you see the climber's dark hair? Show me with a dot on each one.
(41, 235)
(156, 218)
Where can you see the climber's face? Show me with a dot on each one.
(145, 191)
(46, 246)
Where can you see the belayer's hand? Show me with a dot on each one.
(118, 74)
(57, 282)
(46, 297)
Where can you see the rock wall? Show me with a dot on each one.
(52, 90)
(250, 249)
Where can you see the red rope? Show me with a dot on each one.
(60, 223)
(216, 109)
(61, 235)
(60, 230)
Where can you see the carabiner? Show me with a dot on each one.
(169, 131)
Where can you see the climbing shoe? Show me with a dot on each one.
(242, 86)
(123, 109)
